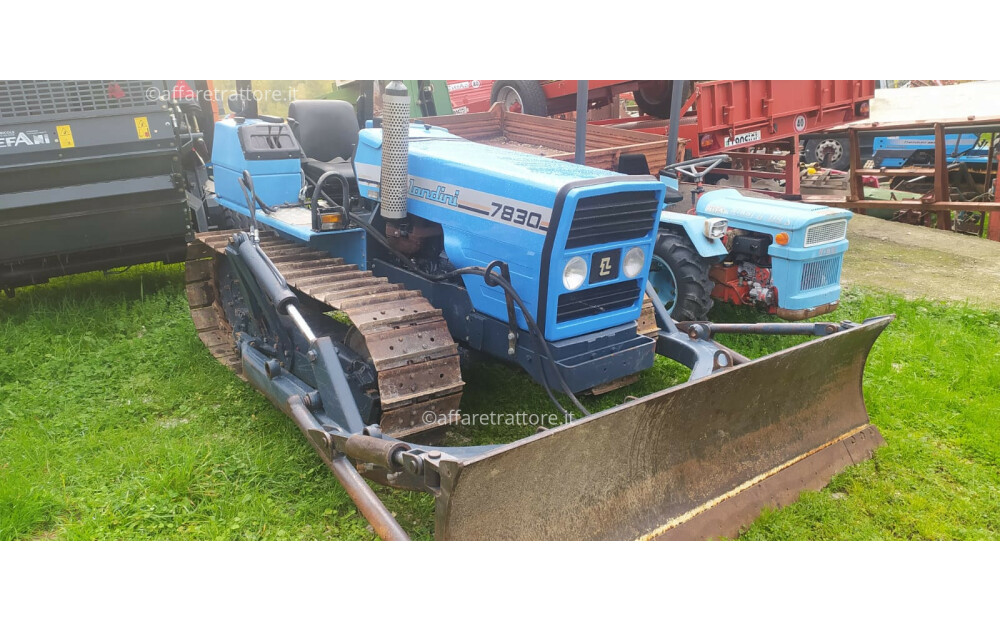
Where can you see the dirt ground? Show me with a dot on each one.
(914, 261)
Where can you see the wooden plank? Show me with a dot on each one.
(895, 172)
(605, 145)
(551, 136)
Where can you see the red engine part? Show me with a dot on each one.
(734, 283)
(728, 284)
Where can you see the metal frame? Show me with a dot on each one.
(783, 111)
(938, 200)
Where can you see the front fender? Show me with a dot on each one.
(694, 227)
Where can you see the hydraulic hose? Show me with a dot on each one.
(493, 279)
(497, 280)
(246, 183)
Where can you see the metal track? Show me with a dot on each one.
(406, 339)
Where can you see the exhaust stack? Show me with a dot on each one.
(395, 151)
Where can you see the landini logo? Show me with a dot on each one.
(437, 195)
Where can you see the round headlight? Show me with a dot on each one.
(575, 273)
(634, 260)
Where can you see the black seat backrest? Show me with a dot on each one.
(325, 129)
(633, 163)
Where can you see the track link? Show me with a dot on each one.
(406, 339)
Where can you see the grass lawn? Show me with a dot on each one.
(116, 423)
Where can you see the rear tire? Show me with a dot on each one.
(654, 97)
(814, 150)
(524, 94)
(676, 261)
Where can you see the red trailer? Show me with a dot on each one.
(469, 96)
(727, 115)
(536, 97)
(720, 116)
(749, 119)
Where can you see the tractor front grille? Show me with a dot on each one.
(32, 98)
(821, 273)
(597, 300)
(826, 232)
(611, 218)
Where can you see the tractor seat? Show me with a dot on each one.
(315, 168)
(328, 134)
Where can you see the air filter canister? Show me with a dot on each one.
(395, 150)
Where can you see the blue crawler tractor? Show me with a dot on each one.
(360, 261)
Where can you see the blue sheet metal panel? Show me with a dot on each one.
(561, 256)
(509, 173)
(804, 276)
(807, 283)
(276, 181)
(495, 204)
(770, 216)
(348, 244)
(750, 213)
(964, 148)
(694, 227)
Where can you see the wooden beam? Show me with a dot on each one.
(857, 190)
(942, 190)
(792, 180)
(985, 122)
(895, 172)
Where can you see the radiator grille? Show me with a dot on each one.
(826, 232)
(28, 98)
(611, 218)
(597, 300)
(821, 273)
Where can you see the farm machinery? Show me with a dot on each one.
(778, 256)
(95, 174)
(357, 266)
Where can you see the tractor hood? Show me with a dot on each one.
(438, 155)
(759, 212)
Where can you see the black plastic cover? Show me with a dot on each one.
(261, 141)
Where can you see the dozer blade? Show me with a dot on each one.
(695, 461)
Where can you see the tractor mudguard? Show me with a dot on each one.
(699, 460)
(694, 227)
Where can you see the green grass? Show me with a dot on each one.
(116, 423)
